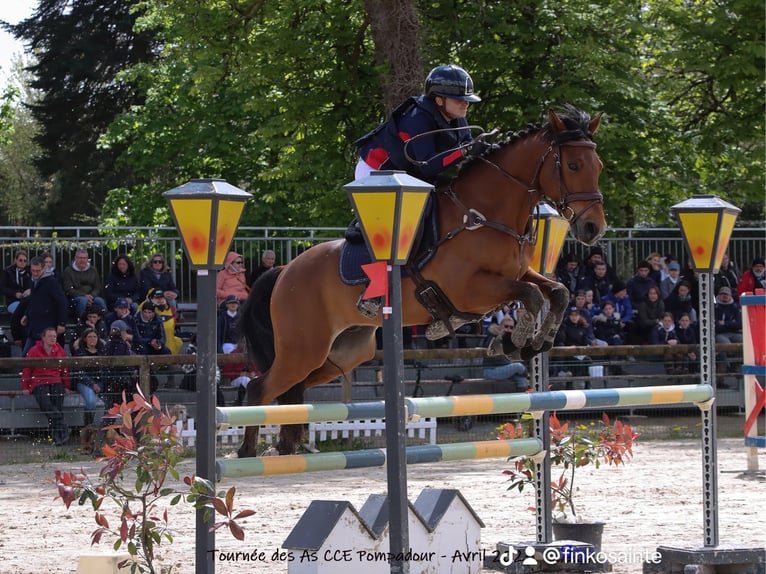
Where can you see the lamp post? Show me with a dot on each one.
(551, 232)
(389, 205)
(206, 213)
(706, 223)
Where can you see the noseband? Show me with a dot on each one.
(565, 197)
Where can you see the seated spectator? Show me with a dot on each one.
(569, 272)
(48, 305)
(680, 301)
(167, 316)
(155, 274)
(122, 312)
(231, 279)
(592, 306)
(664, 333)
(596, 256)
(622, 305)
(119, 378)
(598, 281)
(607, 325)
(687, 335)
(17, 287)
(727, 276)
(50, 264)
(575, 332)
(671, 281)
(639, 284)
(16, 281)
(650, 313)
(122, 283)
(752, 279)
(500, 368)
(88, 379)
(82, 283)
(149, 336)
(268, 258)
(229, 334)
(48, 384)
(657, 271)
(91, 319)
(728, 326)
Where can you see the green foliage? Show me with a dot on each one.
(137, 465)
(582, 445)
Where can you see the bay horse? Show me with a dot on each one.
(301, 322)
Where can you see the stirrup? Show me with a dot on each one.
(369, 308)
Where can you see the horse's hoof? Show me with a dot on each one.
(271, 451)
(524, 329)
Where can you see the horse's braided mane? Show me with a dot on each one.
(575, 120)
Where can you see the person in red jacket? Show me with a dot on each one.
(754, 278)
(48, 384)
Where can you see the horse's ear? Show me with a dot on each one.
(595, 123)
(556, 122)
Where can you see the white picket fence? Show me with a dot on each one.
(424, 429)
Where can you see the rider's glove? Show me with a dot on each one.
(476, 148)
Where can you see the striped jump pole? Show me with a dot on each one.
(468, 405)
(301, 463)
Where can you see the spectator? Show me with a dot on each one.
(664, 333)
(728, 327)
(727, 276)
(752, 279)
(156, 274)
(122, 283)
(607, 325)
(48, 305)
(500, 368)
(598, 281)
(232, 279)
(91, 319)
(268, 258)
(680, 301)
(88, 379)
(670, 282)
(121, 312)
(17, 286)
(50, 264)
(574, 331)
(569, 272)
(82, 283)
(16, 281)
(48, 384)
(639, 284)
(595, 256)
(657, 271)
(149, 336)
(591, 305)
(650, 313)
(687, 335)
(120, 378)
(622, 305)
(167, 316)
(229, 331)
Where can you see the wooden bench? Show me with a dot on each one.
(19, 411)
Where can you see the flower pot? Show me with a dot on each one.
(588, 532)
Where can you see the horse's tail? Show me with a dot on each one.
(256, 320)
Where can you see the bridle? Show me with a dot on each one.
(565, 196)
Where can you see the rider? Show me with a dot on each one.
(441, 109)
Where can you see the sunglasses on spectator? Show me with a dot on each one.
(238, 262)
(157, 261)
(508, 327)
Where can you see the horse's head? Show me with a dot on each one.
(568, 177)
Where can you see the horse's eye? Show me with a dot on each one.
(573, 166)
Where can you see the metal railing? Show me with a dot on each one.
(623, 247)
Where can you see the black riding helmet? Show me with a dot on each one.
(450, 81)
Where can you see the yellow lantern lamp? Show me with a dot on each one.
(206, 213)
(389, 205)
(551, 231)
(706, 222)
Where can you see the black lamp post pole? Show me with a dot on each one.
(205, 427)
(396, 454)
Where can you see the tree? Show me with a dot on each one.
(79, 47)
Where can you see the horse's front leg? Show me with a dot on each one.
(532, 303)
(557, 296)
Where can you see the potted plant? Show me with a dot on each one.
(134, 477)
(572, 447)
